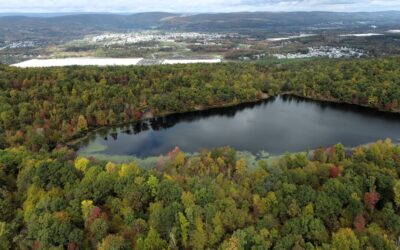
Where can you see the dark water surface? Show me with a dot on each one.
(282, 124)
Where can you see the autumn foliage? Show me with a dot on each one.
(214, 199)
(359, 223)
(334, 171)
(370, 199)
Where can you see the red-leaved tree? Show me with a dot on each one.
(370, 199)
(94, 214)
(359, 223)
(334, 171)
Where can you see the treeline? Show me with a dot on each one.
(40, 108)
(369, 82)
(336, 201)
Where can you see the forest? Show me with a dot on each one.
(210, 201)
(52, 199)
(42, 108)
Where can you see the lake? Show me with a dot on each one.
(278, 125)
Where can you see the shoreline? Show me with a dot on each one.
(337, 101)
(149, 162)
(74, 143)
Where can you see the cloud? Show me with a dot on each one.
(195, 5)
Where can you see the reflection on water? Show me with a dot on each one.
(277, 125)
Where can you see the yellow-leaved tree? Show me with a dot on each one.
(82, 124)
(81, 164)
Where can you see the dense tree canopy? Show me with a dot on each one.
(52, 199)
(209, 201)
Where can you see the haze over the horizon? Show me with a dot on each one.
(52, 6)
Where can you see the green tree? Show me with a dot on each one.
(114, 242)
(5, 240)
(152, 241)
(99, 229)
(8, 119)
(184, 229)
(199, 237)
(396, 191)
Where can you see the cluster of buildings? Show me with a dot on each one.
(253, 57)
(156, 36)
(20, 44)
(324, 51)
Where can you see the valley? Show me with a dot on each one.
(200, 130)
(130, 36)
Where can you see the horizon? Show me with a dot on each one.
(196, 6)
(57, 14)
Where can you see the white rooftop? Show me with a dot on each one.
(188, 61)
(362, 35)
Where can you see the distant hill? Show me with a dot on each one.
(280, 20)
(68, 26)
(27, 14)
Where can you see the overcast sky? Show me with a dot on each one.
(194, 5)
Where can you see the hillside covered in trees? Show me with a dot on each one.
(52, 199)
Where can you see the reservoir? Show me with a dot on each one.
(278, 125)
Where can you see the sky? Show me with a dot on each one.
(194, 6)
